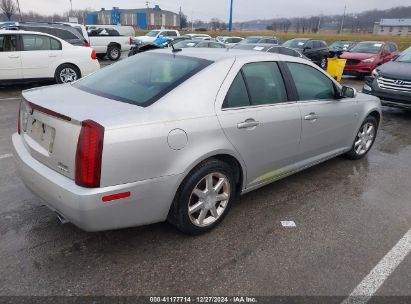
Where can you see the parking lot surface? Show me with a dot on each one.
(348, 216)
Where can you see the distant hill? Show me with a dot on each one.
(361, 22)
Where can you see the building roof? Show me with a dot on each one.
(395, 22)
(138, 10)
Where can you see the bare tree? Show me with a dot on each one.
(8, 7)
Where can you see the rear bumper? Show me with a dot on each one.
(149, 202)
(90, 67)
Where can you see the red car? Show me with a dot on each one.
(363, 58)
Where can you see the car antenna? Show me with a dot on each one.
(175, 50)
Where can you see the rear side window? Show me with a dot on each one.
(55, 44)
(172, 34)
(237, 95)
(142, 80)
(311, 84)
(36, 43)
(265, 83)
(8, 43)
(65, 34)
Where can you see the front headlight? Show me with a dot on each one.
(375, 73)
(368, 60)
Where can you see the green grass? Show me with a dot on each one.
(402, 41)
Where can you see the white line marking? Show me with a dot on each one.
(6, 155)
(373, 281)
(288, 224)
(10, 98)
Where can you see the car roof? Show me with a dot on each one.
(382, 42)
(222, 54)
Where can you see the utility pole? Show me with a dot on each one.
(180, 19)
(71, 8)
(230, 23)
(18, 7)
(319, 24)
(343, 19)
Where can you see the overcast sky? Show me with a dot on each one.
(206, 9)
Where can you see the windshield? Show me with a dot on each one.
(142, 80)
(186, 44)
(152, 33)
(343, 45)
(295, 43)
(405, 56)
(250, 40)
(254, 47)
(367, 47)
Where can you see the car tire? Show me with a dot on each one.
(198, 208)
(323, 63)
(114, 53)
(67, 73)
(364, 139)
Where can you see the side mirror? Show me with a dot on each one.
(307, 48)
(348, 92)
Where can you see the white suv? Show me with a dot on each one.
(26, 55)
(153, 35)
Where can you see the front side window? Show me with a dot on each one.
(265, 83)
(8, 43)
(36, 43)
(311, 84)
(387, 49)
(142, 80)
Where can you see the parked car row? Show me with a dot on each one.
(27, 56)
(391, 82)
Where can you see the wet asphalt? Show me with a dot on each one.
(349, 214)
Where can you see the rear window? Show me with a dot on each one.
(142, 80)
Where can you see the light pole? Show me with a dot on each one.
(71, 7)
(18, 6)
(230, 23)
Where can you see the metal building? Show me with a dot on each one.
(394, 27)
(144, 18)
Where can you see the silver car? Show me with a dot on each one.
(177, 135)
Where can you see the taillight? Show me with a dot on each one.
(86, 43)
(89, 154)
(93, 55)
(19, 121)
(25, 111)
(131, 40)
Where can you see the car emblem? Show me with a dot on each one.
(399, 82)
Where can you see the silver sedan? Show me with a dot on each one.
(176, 135)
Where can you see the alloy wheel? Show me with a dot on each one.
(365, 139)
(209, 199)
(68, 75)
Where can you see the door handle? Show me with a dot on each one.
(14, 56)
(312, 116)
(248, 124)
(52, 55)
